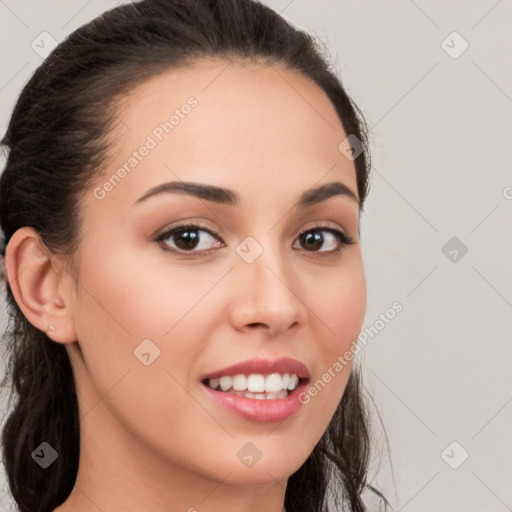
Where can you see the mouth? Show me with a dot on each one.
(256, 386)
(259, 390)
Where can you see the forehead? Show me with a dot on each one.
(249, 126)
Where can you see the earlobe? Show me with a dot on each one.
(36, 280)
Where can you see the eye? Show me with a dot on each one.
(313, 239)
(186, 238)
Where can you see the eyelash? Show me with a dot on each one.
(342, 237)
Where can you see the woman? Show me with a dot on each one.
(181, 208)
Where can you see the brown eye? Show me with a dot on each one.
(194, 239)
(314, 239)
(187, 238)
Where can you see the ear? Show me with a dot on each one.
(40, 285)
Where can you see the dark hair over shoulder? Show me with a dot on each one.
(56, 143)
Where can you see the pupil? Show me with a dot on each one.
(313, 239)
(188, 237)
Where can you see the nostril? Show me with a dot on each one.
(256, 324)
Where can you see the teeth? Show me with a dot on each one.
(240, 383)
(257, 385)
(225, 383)
(273, 383)
(294, 380)
(261, 396)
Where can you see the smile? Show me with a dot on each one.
(256, 385)
(259, 390)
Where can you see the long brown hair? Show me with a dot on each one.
(56, 143)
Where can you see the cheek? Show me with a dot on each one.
(118, 309)
(126, 310)
(144, 299)
(340, 308)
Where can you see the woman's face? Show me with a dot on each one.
(156, 314)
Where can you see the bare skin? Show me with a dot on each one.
(151, 438)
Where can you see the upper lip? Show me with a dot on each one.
(263, 366)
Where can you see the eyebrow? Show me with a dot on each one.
(225, 196)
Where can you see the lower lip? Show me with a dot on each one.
(263, 411)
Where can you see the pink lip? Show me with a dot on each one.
(263, 366)
(263, 411)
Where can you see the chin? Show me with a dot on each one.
(267, 470)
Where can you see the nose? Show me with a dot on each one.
(267, 296)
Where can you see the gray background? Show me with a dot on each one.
(439, 372)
